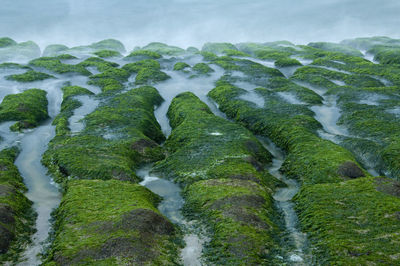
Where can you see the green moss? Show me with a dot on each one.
(217, 48)
(144, 54)
(309, 158)
(29, 76)
(239, 213)
(287, 62)
(386, 55)
(107, 85)
(202, 69)
(13, 66)
(232, 52)
(334, 47)
(149, 76)
(164, 49)
(21, 51)
(353, 222)
(101, 64)
(101, 222)
(181, 66)
(54, 64)
(316, 76)
(5, 41)
(110, 79)
(107, 53)
(55, 49)
(29, 108)
(119, 135)
(220, 165)
(68, 105)
(18, 217)
(192, 50)
(108, 44)
(148, 71)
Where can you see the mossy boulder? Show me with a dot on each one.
(181, 66)
(217, 48)
(5, 42)
(29, 76)
(110, 138)
(54, 64)
(16, 213)
(220, 164)
(353, 222)
(164, 49)
(111, 223)
(29, 108)
(143, 54)
(107, 53)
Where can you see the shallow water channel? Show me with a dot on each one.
(296, 249)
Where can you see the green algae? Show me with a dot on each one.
(147, 70)
(309, 158)
(54, 64)
(101, 222)
(334, 47)
(143, 54)
(217, 48)
(5, 42)
(353, 222)
(55, 49)
(17, 215)
(101, 64)
(133, 132)
(29, 108)
(68, 105)
(181, 66)
(220, 164)
(29, 76)
(107, 53)
(164, 49)
(202, 69)
(287, 62)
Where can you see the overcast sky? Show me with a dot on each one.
(190, 22)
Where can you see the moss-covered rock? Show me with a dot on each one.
(309, 158)
(202, 69)
(16, 214)
(147, 71)
(5, 41)
(29, 76)
(29, 108)
(164, 49)
(119, 135)
(54, 64)
(143, 54)
(111, 223)
(20, 51)
(101, 64)
(220, 164)
(287, 62)
(181, 66)
(107, 53)
(55, 49)
(218, 48)
(353, 222)
(334, 47)
(68, 105)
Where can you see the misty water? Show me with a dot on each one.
(89, 104)
(171, 206)
(296, 251)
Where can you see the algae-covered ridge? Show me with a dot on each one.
(220, 166)
(28, 108)
(16, 212)
(347, 200)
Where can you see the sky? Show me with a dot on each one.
(192, 22)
